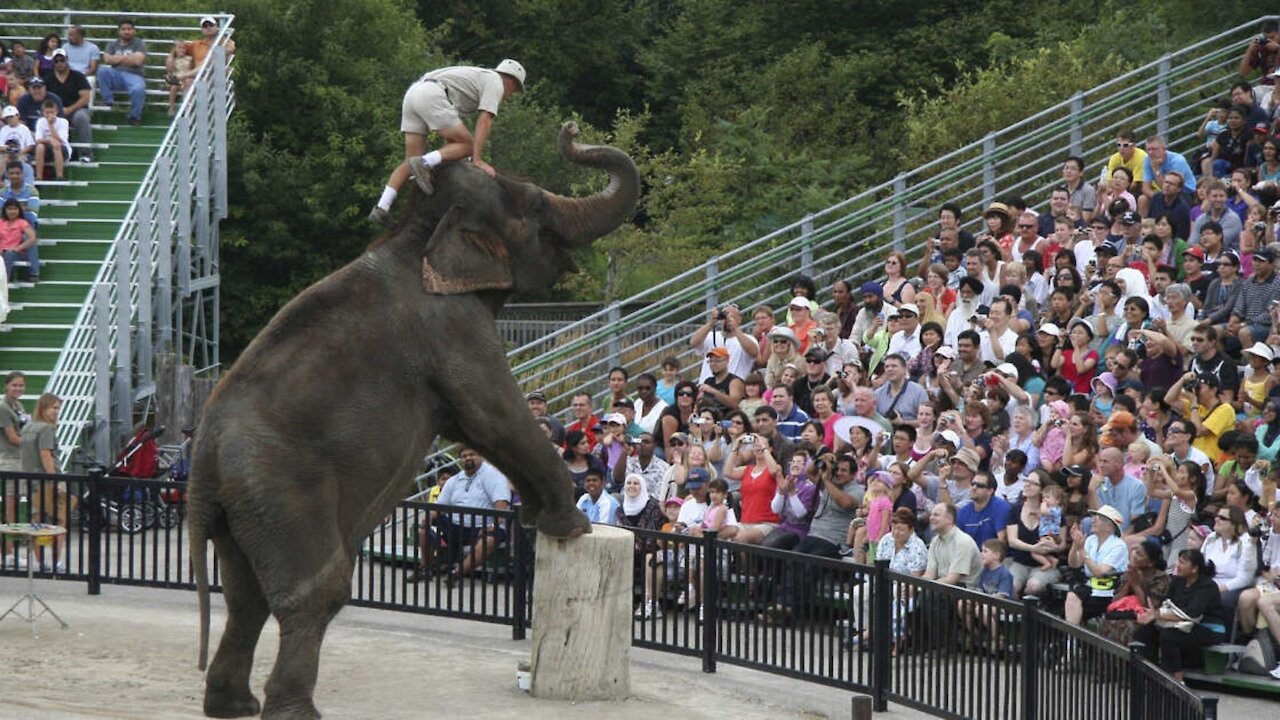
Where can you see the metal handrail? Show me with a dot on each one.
(74, 377)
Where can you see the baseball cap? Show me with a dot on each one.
(8, 112)
(1106, 247)
(536, 395)
(617, 418)
(816, 355)
(909, 308)
(1082, 323)
(624, 402)
(673, 500)
(1196, 252)
(1130, 218)
(872, 288)
(1264, 253)
(59, 52)
(512, 68)
(799, 302)
(1263, 128)
(696, 478)
(1130, 384)
(1007, 369)
(207, 20)
(946, 351)
(1050, 329)
(718, 352)
(1079, 471)
(36, 81)
(1122, 419)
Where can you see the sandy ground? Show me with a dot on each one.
(131, 653)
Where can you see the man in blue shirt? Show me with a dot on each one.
(791, 419)
(986, 517)
(1112, 487)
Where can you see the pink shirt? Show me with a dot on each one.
(12, 233)
(878, 517)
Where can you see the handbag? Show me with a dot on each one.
(1184, 624)
(1126, 608)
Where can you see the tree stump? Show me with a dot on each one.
(582, 616)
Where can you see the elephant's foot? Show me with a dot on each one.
(230, 704)
(564, 524)
(292, 710)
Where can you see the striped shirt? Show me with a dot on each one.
(1254, 300)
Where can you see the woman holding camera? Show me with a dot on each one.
(1077, 362)
(751, 463)
(675, 419)
(705, 430)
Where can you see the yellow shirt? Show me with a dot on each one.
(1134, 166)
(1221, 420)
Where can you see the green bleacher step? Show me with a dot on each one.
(67, 271)
(114, 211)
(109, 170)
(68, 250)
(17, 358)
(127, 134)
(35, 315)
(19, 336)
(96, 189)
(48, 292)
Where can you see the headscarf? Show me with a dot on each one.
(633, 506)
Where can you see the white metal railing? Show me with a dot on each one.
(168, 236)
(849, 239)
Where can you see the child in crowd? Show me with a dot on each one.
(717, 514)
(595, 503)
(666, 388)
(875, 510)
(671, 510)
(1135, 459)
(996, 580)
(182, 71)
(1050, 522)
(52, 133)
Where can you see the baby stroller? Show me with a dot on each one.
(134, 507)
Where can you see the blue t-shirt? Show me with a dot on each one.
(982, 525)
(1172, 161)
(996, 581)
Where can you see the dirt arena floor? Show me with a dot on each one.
(131, 653)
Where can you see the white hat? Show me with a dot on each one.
(909, 307)
(207, 20)
(1111, 514)
(849, 422)
(9, 111)
(784, 333)
(800, 301)
(1007, 369)
(512, 68)
(615, 418)
(58, 52)
(1050, 329)
(1262, 350)
(946, 351)
(948, 436)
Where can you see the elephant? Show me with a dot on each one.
(307, 442)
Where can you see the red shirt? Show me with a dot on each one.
(758, 489)
(592, 427)
(1079, 382)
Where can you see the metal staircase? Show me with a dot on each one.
(128, 242)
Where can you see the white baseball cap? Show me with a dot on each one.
(618, 418)
(9, 111)
(512, 68)
(207, 20)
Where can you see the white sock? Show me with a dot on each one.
(432, 158)
(388, 196)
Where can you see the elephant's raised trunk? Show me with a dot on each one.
(580, 220)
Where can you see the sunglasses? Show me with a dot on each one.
(1223, 517)
(983, 486)
(1020, 225)
(684, 393)
(676, 443)
(1124, 144)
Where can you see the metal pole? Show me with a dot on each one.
(710, 601)
(713, 272)
(220, 85)
(102, 372)
(520, 580)
(615, 345)
(1137, 704)
(203, 199)
(988, 169)
(164, 265)
(1030, 641)
(899, 214)
(1077, 114)
(122, 410)
(184, 214)
(1162, 95)
(881, 635)
(806, 245)
(93, 506)
(145, 289)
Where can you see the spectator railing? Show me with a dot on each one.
(863, 628)
(157, 289)
(849, 240)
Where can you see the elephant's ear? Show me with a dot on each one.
(463, 257)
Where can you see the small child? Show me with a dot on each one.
(182, 71)
(1135, 460)
(875, 510)
(671, 510)
(718, 512)
(52, 133)
(995, 578)
(1050, 522)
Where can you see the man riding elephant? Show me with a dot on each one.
(289, 475)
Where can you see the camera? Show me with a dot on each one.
(748, 439)
(1191, 385)
(1139, 348)
(1259, 228)
(633, 441)
(697, 420)
(1058, 422)
(842, 374)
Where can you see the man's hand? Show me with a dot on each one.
(486, 167)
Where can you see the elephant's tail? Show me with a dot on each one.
(201, 513)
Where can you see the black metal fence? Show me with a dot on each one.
(944, 650)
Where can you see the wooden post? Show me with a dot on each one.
(165, 377)
(582, 616)
(183, 411)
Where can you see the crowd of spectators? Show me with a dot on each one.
(1081, 401)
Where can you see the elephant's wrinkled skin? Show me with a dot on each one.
(308, 440)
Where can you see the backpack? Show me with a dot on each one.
(1259, 655)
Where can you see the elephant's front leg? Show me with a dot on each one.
(492, 417)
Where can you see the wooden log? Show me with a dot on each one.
(582, 616)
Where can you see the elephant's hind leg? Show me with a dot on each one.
(227, 693)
